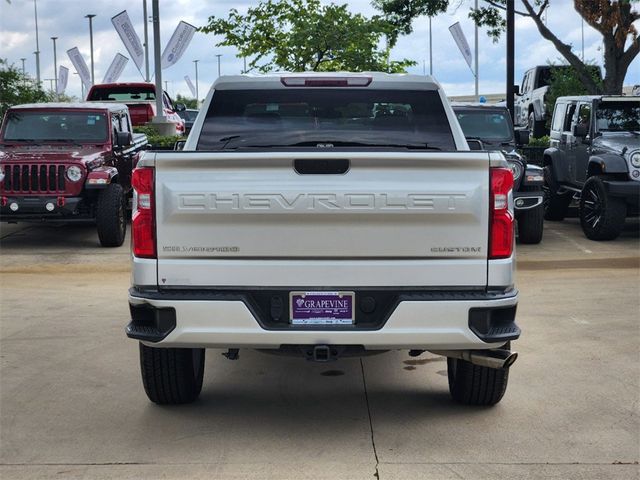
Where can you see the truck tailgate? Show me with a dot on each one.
(233, 218)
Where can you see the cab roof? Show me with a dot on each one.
(284, 80)
(113, 107)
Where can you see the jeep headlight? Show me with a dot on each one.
(635, 159)
(516, 169)
(74, 174)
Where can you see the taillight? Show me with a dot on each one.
(501, 214)
(142, 221)
(150, 112)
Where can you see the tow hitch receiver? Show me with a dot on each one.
(322, 353)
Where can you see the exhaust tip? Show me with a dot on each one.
(510, 360)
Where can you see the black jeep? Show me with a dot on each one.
(594, 154)
(491, 125)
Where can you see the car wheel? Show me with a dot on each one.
(536, 128)
(172, 376)
(531, 225)
(475, 385)
(111, 217)
(555, 204)
(601, 216)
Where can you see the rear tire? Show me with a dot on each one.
(475, 385)
(111, 219)
(536, 127)
(172, 376)
(601, 216)
(555, 204)
(531, 225)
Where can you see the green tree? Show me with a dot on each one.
(17, 88)
(613, 19)
(188, 102)
(565, 81)
(304, 35)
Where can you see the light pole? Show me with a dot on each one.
(430, 49)
(24, 72)
(90, 17)
(476, 58)
(218, 55)
(50, 80)
(55, 65)
(37, 52)
(146, 40)
(197, 94)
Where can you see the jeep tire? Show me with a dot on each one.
(536, 127)
(475, 385)
(555, 204)
(601, 216)
(111, 219)
(172, 376)
(531, 225)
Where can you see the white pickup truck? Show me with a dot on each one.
(324, 215)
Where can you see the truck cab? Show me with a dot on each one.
(140, 97)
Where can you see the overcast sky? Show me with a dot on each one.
(65, 20)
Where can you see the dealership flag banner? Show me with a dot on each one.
(461, 41)
(178, 43)
(190, 85)
(115, 69)
(80, 65)
(129, 37)
(63, 78)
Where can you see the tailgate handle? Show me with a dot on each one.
(321, 166)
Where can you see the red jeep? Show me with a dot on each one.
(141, 99)
(68, 162)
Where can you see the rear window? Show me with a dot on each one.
(122, 93)
(315, 117)
(486, 125)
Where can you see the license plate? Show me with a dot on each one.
(321, 308)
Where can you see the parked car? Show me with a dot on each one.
(594, 153)
(189, 116)
(141, 99)
(492, 125)
(68, 162)
(324, 215)
(530, 103)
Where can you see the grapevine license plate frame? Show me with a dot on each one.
(321, 308)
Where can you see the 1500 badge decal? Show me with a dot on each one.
(183, 249)
(456, 249)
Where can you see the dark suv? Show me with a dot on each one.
(492, 126)
(594, 154)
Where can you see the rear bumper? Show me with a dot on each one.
(427, 320)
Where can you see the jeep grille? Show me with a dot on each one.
(34, 178)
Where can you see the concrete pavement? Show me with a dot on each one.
(72, 403)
